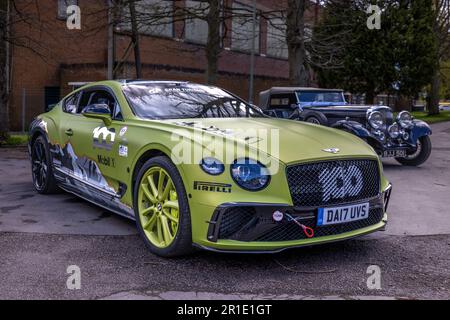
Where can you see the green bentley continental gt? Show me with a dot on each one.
(197, 167)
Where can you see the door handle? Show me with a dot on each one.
(69, 132)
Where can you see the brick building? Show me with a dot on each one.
(52, 56)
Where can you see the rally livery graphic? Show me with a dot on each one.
(190, 164)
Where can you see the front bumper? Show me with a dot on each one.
(249, 227)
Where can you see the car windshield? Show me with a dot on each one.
(184, 101)
(317, 96)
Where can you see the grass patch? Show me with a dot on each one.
(442, 116)
(16, 140)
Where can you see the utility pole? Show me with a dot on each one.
(252, 57)
(110, 40)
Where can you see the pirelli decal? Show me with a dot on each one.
(212, 187)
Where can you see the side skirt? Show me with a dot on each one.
(92, 193)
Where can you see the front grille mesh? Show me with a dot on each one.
(235, 224)
(234, 219)
(291, 231)
(333, 182)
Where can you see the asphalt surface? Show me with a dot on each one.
(40, 236)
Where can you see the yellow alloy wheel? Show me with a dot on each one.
(158, 207)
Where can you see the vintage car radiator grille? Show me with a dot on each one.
(334, 182)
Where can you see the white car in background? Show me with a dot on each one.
(444, 106)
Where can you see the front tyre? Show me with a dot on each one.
(41, 166)
(420, 155)
(162, 210)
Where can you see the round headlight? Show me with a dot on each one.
(405, 119)
(250, 174)
(212, 166)
(376, 120)
(394, 131)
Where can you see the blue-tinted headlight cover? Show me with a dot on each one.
(250, 175)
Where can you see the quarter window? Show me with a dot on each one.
(71, 103)
(282, 100)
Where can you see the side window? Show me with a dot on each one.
(101, 97)
(282, 100)
(71, 103)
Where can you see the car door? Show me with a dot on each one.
(93, 147)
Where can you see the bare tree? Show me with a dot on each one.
(214, 40)
(295, 37)
(135, 38)
(150, 17)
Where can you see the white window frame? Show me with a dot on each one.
(165, 30)
(62, 8)
(237, 38)
(276, 45)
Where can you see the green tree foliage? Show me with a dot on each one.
(398, 58)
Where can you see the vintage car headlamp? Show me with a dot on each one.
(405, 119)
(250, 174)
(376, 120)
(394, 131)
(212, 166)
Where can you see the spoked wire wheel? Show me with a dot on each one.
(158, 207)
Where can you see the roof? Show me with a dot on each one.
(126, 81)
(265, 95)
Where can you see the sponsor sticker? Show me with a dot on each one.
(123, 132)
(123, 151)
(278, 216)
(212, 187)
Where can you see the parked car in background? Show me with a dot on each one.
(401, 137)
(123, 146)
(444, 106)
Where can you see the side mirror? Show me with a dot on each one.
(98, 111)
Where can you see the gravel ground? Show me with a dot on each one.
(34, 267)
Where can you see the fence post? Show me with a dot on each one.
(24, 102)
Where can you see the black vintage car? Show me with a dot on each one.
(401, 137)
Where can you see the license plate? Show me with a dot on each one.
(338, 215)
(394, 154)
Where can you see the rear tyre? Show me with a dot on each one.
(419, 156)
(41, 167)
(162, 210)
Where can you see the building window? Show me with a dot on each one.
(276, 38)
(242, 29)
(154, 17)
(196, 29)
(62, 8)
